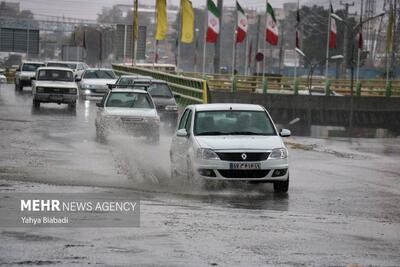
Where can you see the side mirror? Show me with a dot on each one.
(99, 104)
(285, 133)
(182, 133)
(33, 78)
(177, 96)
(78, 79)
(111, 86)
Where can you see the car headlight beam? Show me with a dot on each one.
(279, 153)
(206, 153)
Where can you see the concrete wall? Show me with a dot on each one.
(369, 112)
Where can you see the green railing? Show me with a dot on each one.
(191, 90)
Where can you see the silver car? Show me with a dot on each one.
(128, 111)
(25, 73)
(229, 142)
(94, 82)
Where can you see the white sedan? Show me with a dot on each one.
(94, 82)
(229, 142)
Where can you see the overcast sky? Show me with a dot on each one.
(90, 8)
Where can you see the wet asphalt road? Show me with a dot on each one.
(342, 207)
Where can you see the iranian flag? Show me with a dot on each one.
(272, 32)
(213, 22)
(333, 30)
(242, 24)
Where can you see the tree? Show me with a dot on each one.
(314, 34)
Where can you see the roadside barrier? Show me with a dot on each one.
(287, 85)
(191, 90)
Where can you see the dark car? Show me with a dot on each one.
(161, 93)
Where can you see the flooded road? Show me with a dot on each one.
(342, 207)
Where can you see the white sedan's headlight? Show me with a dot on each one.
(86, 86)
(279, 153)
(87, 92)
(206, 153)
(171, 108)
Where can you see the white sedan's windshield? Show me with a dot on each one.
(233, 122)
(129, 100)
(62, 65)
(56, 75)
(31, 66)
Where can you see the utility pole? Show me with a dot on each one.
(346, 36)
(217, 54)
(281, 48)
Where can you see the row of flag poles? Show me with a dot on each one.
(212, 27)
(212, 24)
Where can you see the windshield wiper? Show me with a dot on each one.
(211, 133)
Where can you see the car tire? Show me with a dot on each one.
(155, 138)
(72, 105)
(36, 104)
(281, 186)
(189, 177)
(100, 135)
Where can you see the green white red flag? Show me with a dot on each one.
(242, 24)
(272, 32)
(213, 22)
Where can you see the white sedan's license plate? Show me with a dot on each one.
(245, 166)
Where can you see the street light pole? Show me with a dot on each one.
(352, 36)
(313, 66)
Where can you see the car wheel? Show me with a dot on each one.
(100, 135)
(211, 185)
(154, 138)
(281, 186)
(36, 104)
(190, 175)
(72, 105)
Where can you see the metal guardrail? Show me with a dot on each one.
(286, 85)
(191, 90)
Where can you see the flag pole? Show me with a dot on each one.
(155, 38)
(264, 42)
(296, 55)
(234, 41)
(135, 29)
(327, 44)
(179, 38)
(359, 49)
(205, 39)
(246, 62)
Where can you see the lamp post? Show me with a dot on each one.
(352, 35)
(314, 65)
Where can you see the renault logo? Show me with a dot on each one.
(244, 156)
